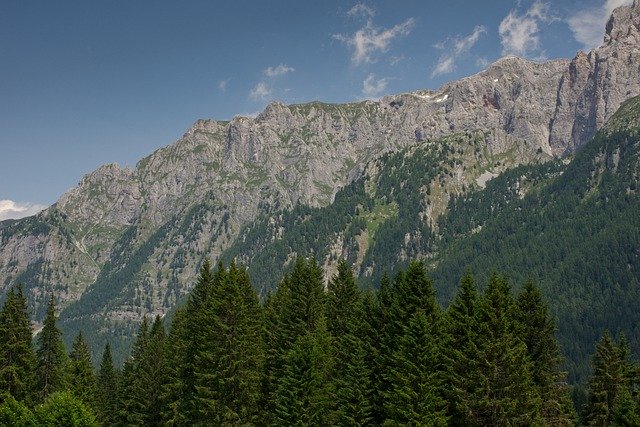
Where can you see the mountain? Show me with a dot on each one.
(128, 242)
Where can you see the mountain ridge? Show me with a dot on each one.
(224, 174)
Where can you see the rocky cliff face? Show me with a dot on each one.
(190, 199)
(596, 84)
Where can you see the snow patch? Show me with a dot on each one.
(442, 98)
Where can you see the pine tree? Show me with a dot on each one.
(342, 301)
(306, 301)
(17, 357)
(301, 337)
(51, 356)
(82, 380)
(607, 380)
(538, 333)
(411, 293)
(347, 326)
(228, 369)
(184, 343)
(626, 409)
(151, 375)
(500, 389)
(460, 345)
(107, 389)
(414, 397)
(380, 340)
(273, 339)
(132, 399)
(303, 395)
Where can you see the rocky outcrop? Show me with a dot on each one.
(222, 175)
(597, 83)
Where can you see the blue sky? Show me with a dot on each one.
(83, 83)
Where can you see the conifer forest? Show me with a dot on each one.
(319, 353)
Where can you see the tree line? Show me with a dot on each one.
(311, 354)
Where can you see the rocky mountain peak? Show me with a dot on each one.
(624, 25)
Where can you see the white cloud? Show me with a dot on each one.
(587, 25)
(361, 9)
(482, 62)
(456, 48)
(261, 91)
(519, 34)
(279, 70)
(222, 85)
(16, 210)
(372, 87)
(369, 40)
(445, 65)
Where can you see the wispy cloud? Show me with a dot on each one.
(16, 210)
(519, 34)
(222, 85)
(456, 48)
(261, 91)
(361, 9)
(264, 89)
(371, 40)
(587, 25)
(372, 87)
(279, 70)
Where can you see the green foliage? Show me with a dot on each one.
(227, 376)
(414, 396)
(81, 378)
(537, 331)
(352, 369)
(303, 393)
(143, 378)
(51, 356)
(17, 357)
(14, 413)
(499, 388)
(107, 389)
(608, 379)
(64, 409)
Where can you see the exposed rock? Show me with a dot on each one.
(221, 175)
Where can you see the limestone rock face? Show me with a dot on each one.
(189, 200)
(596, 84)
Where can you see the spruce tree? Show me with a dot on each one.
(51, 356)
(459, 346)
(304, 391)
(352, 374)
(342, 300)
(133, 397)
(107, 389)
(607, 380)
(228, 368)
(626, 409)
(414, 397)
(538, 333)
(380, 340)
(82, 380)
(151, 375)
(185, 342)
(300, 336)
(500, 389)
(411, 293)
(17, 357)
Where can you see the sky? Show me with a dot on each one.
(85, 83)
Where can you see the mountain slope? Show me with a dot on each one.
(126, 242)
(578, 236)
